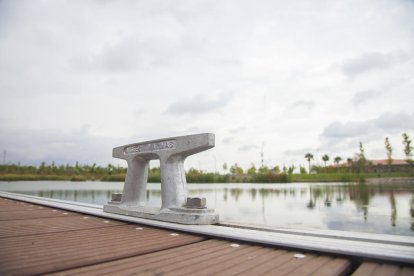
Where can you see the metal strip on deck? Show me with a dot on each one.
(372, 246)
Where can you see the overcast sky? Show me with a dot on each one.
(78, 78)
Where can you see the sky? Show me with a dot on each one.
(282, 78)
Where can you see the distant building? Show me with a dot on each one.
(375, 166)
(396, 162)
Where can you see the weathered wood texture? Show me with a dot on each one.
(43, 245)
(41, 240)
(213, 257)
(375, 269)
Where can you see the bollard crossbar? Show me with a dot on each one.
(175, 206)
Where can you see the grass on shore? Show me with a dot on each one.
(344, 177)
(217, 178)
(36, 177)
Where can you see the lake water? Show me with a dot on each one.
(339, 206)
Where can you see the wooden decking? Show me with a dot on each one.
(36, 239)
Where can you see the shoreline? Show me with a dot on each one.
(389, 180)
(323, 179)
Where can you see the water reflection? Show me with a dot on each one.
(393, 209)
(87, 196)
(353, 207)
(235, 193)
(412, 212)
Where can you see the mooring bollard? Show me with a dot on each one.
(172, 153)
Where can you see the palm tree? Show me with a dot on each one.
(337, 160)
(388, 148)
(309, 157)
(408, 149)
(325, 159)
(350, 162)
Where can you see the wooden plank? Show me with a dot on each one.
(291, 265)
(212, 258)
(148, 261)
(407, 271)
(275, 262)
(43, 253)
(12, 205)
(26, 227)
(261, 257)
(366, 269)
(9, 205)
(380, 247)
(377, 269)
(210, 262)
(312, 266)
(338, 266)
(202, 258)
(17, 208)
(234, 262)
(39, 240)
(37, 213)
(388, 270)
(8, 202)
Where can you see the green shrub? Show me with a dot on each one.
(270, 177)
(114, 178)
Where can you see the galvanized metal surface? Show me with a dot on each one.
(172, 153)
(373, 246)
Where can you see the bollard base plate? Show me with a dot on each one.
(176, 215)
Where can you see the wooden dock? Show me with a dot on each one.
(36, 239)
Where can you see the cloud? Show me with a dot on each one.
(373, 61)
(237, 130)
(134, 53)
(199, 104)
(385, 123)
(362, 97)
(248, 147)
(303, 104)
(228, 140)
(298, 152)
(398, 121)
(34, 146)
(129, 68)
(349, 129)
(130, 54)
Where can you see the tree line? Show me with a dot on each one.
(360, 161)
(78, 172)
(233, 173)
